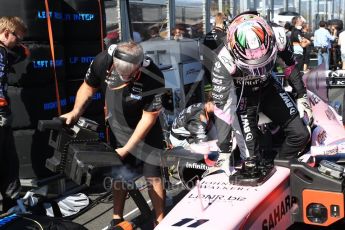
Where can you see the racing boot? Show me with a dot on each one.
(250, 167)
(253, 172)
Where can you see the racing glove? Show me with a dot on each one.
(304, 110)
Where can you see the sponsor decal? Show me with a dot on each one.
(217, 81)
(314, 100)
(247, 131)
(336, 74)
(214, 197)
(227, 61)
(224, 186)
(218, 76)
(330, 115)
(157, 102)
(218, 88)
(288, 102)
(243, 104)
(247, 82)
(217, 65)
(328, 150)
(339, 82)
(195, 165)
(250, 80)
(137, 91)
(321, 136)
(217, 96)
(278, 213)
(336, 77)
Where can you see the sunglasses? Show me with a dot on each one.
(19, 39)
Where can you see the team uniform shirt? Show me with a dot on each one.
(3, 80)
(296, 36)
(212, 41)
(215, 38)
(126, 101)
(192, 124)
(7, 59)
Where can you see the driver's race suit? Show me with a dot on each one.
(239, 98)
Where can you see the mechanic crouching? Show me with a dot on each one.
(133, 88)
(243, 85)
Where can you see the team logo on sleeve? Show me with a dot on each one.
(137, 91)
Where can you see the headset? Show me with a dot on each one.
(116, 53)
(126, 56)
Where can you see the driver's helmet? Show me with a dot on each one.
(252, 44)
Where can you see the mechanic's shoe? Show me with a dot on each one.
(120, 224)
(115, 222)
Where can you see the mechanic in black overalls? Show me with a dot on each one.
(133, 87)
(212, 40)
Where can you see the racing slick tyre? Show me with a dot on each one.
(33, 104)
(79, 55)
(37, 69)
(82, 20)
(33, 13)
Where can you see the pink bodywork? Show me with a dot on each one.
(216, 204)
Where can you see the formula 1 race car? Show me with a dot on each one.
(307, 190)
(270, 197)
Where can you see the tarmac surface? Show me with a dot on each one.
(98, 214)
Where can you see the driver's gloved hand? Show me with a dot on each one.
(304, 110)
